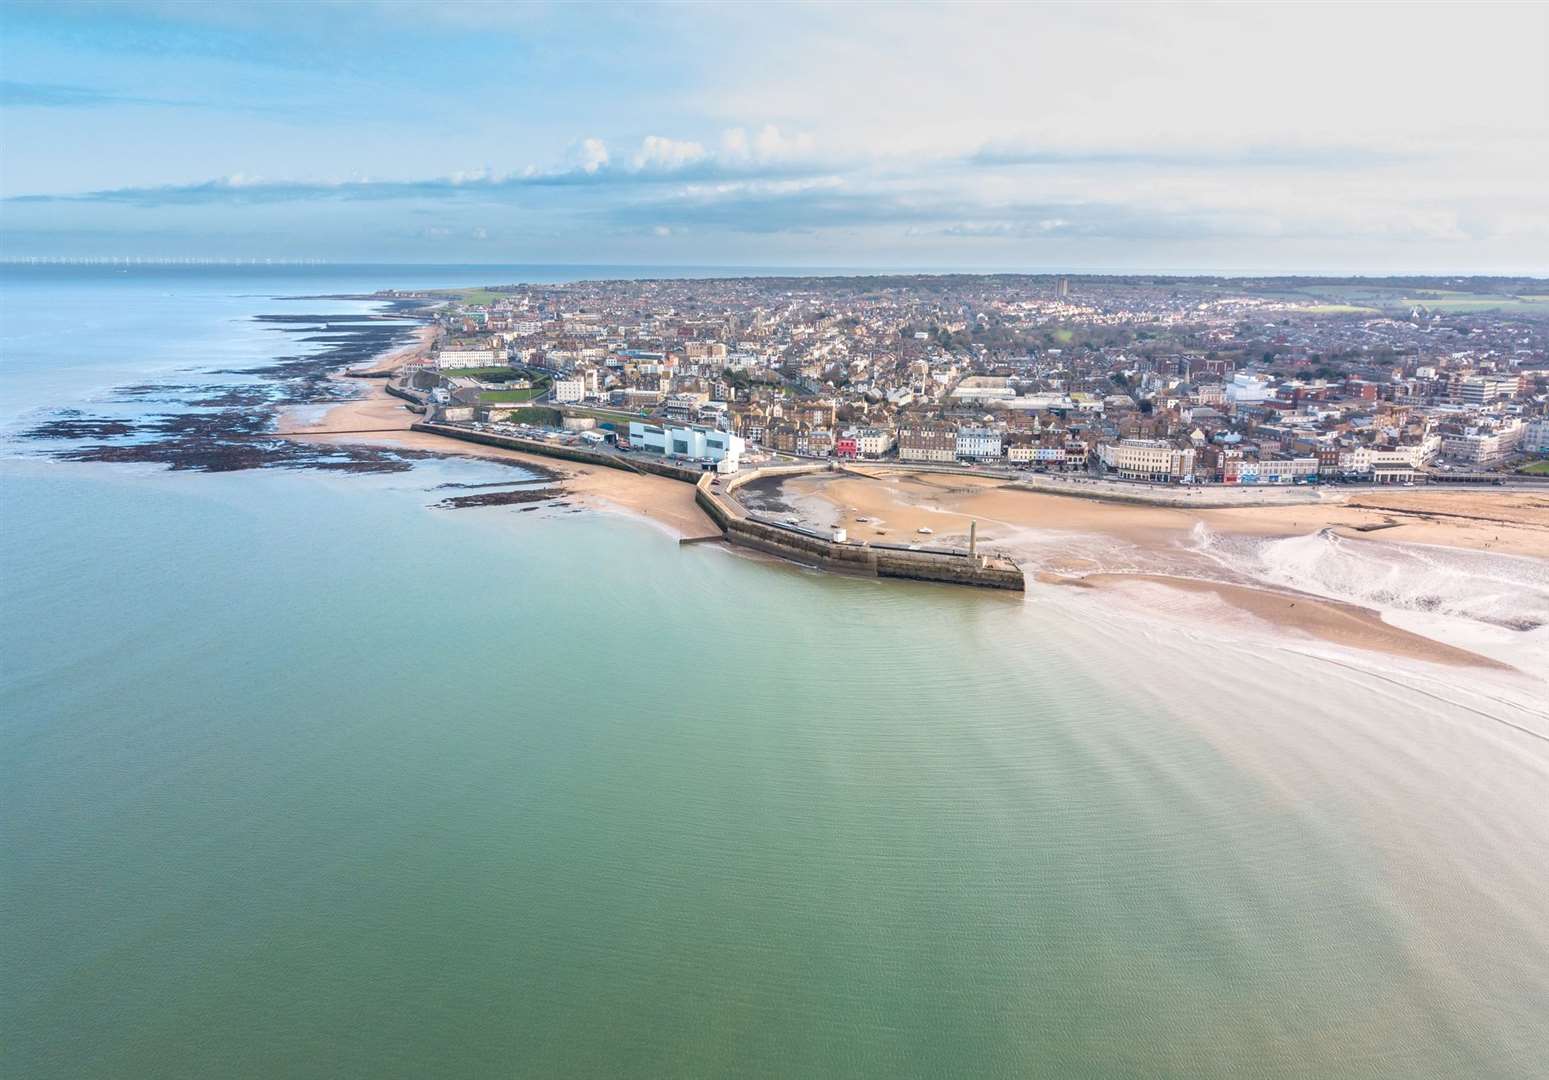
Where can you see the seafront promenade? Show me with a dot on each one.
(827, 550)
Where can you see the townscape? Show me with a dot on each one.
(1192, 381)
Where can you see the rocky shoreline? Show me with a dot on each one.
(228, 426)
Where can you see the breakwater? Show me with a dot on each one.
(714, 494)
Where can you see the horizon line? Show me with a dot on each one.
(765, 269)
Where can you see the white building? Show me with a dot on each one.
(873, 442)
(1147, 459)
(978, 444)
(1246, 389)
(1535, 437)
(568, 390)
(468, 358)
(1484, 446)
(696, 443)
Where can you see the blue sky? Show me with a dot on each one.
(1299, 138)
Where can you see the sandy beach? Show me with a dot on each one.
(1315, 617)
(897, 503)
(1119, 546)
(380, 418)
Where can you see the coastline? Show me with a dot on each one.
(897, 502)
(378, 418)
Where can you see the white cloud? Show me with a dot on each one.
(589, 155)
(768, 146)
(667, 155)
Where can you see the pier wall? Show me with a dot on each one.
(416, 402)
(866, 559)
(805, 546)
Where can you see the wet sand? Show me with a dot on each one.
(1343, 624)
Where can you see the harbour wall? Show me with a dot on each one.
(713, 494)
(814, 548)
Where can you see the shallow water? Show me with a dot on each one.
(300, 776)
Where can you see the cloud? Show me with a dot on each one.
(657, 154)
(588, 163)
(767, 145)
(589, 155)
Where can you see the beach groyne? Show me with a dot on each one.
(416, 401)
(811, 547)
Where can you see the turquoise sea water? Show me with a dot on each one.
(299, 776)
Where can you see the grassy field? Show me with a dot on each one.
(475, 372)
(1356, 298)
(1470, 302)
(481, 297)
(620, 419)
(511, 396)
(1537, 468)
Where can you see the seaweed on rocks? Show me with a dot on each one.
(502, 498)
(229, 426)
(77, 427)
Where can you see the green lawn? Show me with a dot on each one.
(476, 372)
(510, 396)
(481, 297)
(1340, 309)
(610, 416)
(1537, 468)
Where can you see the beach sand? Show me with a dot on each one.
(380, 418)
(1314, 617)
(896, 504)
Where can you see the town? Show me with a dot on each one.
(1189, 381)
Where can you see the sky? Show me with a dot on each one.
(1312, 138)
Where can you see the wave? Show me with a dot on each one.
(1501, 590)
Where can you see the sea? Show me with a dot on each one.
(304, 775)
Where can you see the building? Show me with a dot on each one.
(1147, 459)
(1535, 436)
(457, 356)
(568, 390)
(1483, 389)
(1483, 447)
(1241, 470)
(984, 388)
(696, 443)
(847, 446)
(927, 442)
(978, 444)
(874, 442)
